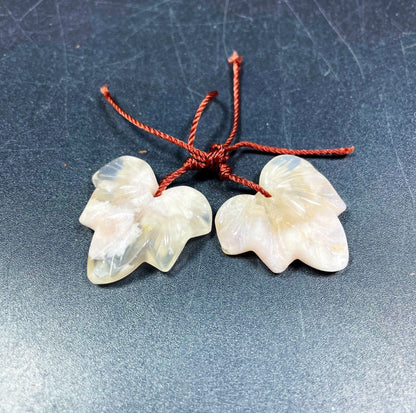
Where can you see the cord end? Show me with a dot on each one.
(235, 58)
(349, 150)
(104, 90)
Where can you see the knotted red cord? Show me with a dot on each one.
(218, 154)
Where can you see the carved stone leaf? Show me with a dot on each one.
(132, 226)
(299, 221)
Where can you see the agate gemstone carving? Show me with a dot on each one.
(299, 221)
(132, 226)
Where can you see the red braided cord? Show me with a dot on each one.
(218, 154)
(104, 90)
(284, 151)
(168, 179)
(224, 172)
(235, 60)
(198, 114)
(249, 184)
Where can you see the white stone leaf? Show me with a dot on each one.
(299, 221)
(132, 226)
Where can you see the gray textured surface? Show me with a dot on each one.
(217, 333)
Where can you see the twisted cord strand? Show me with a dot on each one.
(104, 90)
(235, 60)
(198, 114)
(284, 151)
(218, 154)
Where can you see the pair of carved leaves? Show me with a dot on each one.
(299, 221)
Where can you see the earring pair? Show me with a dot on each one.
(132, 226)
(293, 215)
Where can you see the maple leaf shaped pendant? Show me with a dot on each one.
(299, 221)
(132, 226)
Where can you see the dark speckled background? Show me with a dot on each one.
(217, 333)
